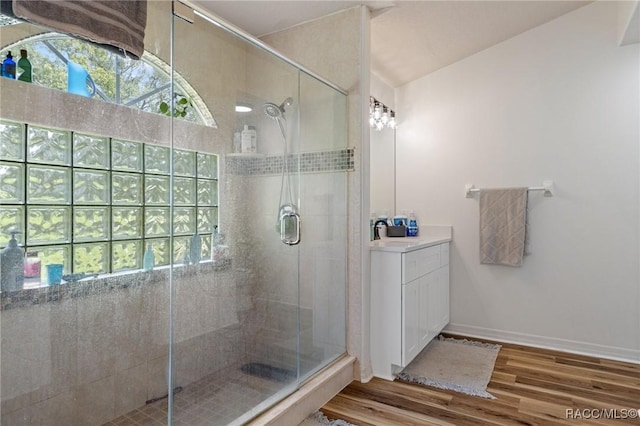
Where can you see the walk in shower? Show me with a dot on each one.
(222, 158)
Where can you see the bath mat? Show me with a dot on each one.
(460, 365)
(267, 371)
(318, 418)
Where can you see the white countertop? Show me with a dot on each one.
(428, 236)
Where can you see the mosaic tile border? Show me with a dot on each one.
(306, 162)
(100, 285)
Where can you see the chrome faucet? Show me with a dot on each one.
(376, 232)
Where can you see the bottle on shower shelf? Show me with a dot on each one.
(248, 138)
(148, 261)
(220, 249)
(196, 248)
(12, 265)
(32, 265)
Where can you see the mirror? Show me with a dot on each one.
(383, 171)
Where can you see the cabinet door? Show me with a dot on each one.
(439, 301)
(410, 321)
(429, 300)
(416, 316)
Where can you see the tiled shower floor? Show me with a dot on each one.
(214, 400)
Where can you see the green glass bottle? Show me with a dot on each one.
(24, 67)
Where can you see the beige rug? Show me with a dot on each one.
(318, 418)
(459, 365)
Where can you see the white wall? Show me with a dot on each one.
(382, 91)
(558, 102)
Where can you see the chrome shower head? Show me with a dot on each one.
(276, 111)
(272, 110)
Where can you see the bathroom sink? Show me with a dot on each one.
(429, 236)
(400, 244)
(395, 243)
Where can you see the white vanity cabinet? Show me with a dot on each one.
(409, 301)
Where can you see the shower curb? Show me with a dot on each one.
(312, 395)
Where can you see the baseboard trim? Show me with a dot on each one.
(571, 346)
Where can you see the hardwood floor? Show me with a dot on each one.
(532, 387)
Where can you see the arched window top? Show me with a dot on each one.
(144, 84)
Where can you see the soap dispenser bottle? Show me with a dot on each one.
(412, 229)
(11, 265)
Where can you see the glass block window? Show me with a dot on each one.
(95, 203)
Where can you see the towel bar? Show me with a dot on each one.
(547, 187)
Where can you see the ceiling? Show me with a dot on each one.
(409, 39)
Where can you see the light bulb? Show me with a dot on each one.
(392, 120)
(377, 110)
(385, 115)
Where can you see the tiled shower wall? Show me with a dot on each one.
(88, 358)
(309, 277)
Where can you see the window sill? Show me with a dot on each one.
(38, 293)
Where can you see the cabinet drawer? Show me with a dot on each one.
(419, 262)
(444, 254)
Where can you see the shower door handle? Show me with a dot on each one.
(284, 235)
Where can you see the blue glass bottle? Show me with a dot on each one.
(9, 67)
(412, 229)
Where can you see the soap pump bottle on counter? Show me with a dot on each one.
(412, 229)
(12, 265)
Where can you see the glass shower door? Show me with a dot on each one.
(259, 224)
(324, 162)
(235, 312)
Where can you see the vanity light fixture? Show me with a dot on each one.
(380, 116)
